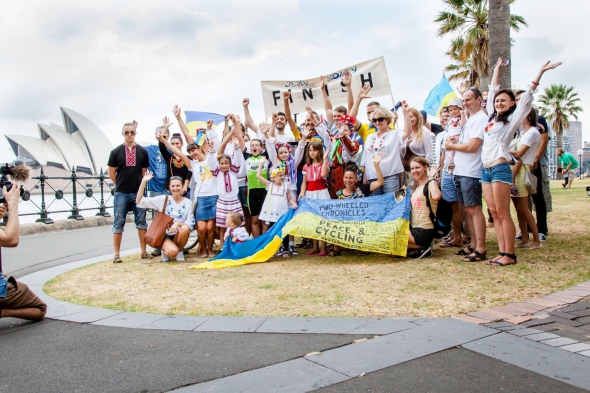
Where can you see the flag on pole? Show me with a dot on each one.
(195, 119)
(439, 97)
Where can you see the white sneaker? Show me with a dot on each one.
(165, 257)
(180, 257)
(519, 236)
(292, 250)
(542, 237)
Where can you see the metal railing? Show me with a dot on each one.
(74, 181)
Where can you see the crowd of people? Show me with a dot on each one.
(236, 188)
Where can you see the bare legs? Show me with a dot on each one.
(173, 247)
(525, 217)
(497, 196)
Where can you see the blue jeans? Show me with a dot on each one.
(390, 185)
(122, 204)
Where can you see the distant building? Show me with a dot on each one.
(552, 150)
(575, 135)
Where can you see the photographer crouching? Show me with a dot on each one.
(16, 299)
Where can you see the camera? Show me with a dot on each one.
(17, 172)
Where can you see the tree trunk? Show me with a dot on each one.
(499, 40)
(559, 145)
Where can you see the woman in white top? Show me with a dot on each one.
(388, 143)
(417, 143)
(177, 207)
(524, 148)
(496, 175)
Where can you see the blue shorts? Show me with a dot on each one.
(243, 196)
(448, 188)
(122, 204)
(500, 172)
(206, 208)
(468, 190)
(390, 185)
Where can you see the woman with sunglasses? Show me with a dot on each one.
(496, 178)
(388, 143)
(175, 206)
(174, 165)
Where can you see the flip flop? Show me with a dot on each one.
(462, 252)
(449, 245)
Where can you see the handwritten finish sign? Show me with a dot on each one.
(306, 92)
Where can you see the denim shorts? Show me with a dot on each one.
(468, 190)
(448, 188)
(390, 185)
(500, 172)
(123, 203)
(243, 196)
(206, 208)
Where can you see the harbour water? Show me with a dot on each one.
(52, 204)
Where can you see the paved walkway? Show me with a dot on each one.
(522, 347)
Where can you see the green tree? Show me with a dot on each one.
(468, 20)
(460, 70)
(557, 104)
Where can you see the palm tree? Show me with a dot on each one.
(499, 33)
(557, 103)
(468, 20)
(460, 70)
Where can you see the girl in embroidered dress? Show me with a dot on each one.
(315, 172)
(277, 200)
(282, 157)
(227, 169)
(344, 150)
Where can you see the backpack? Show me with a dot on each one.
(443, 217)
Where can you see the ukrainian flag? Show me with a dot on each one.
(196, 120)
(439, 97)
(377, 224)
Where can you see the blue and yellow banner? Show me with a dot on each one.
(439, 97)
(195, 119)
(376, 224)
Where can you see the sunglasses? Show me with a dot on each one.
(176, 178)
(377, 119)
(191, 146)
(129, 132)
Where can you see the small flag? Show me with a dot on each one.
(195, 120)
(439, 97)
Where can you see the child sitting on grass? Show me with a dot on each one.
(237, 232)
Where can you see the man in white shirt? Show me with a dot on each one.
(468, 168)
(281, 135)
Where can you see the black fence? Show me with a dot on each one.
(74, 186)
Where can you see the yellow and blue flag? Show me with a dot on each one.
(439, 97)
(195, 119)
(377, 224)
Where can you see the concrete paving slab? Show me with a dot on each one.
(129, 319)
(525, 332)
(174, 322)
(451, 371)
(91, 314)
(312, 325)
(231, 324)
(585, 353)
(297, 375)
(56, 308)
(558, 342)
(386, 351)
(540, 336)
(540, 358)
(579, 347)
(385, 326)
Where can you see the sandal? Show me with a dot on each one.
(476, 257)
(498, 263)
(449, 245)
(145, 255)
(500, 254)
(286, 254)
(462, 252)
(335, 253)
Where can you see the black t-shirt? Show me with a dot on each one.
(436, 128)
(173, 167)
(128, 176)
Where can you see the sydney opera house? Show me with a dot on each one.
(78, 145)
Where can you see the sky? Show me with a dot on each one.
(116, 61)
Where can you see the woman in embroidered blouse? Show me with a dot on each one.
(496, 177)
(417, 143)
(388, 143)
(177, 207)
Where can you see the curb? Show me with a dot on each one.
(38, 228)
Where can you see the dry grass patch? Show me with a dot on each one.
(351, 285)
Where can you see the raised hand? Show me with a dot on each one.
(309, 110)
(209, 124)
(405, 107)
(547, 66)
(462, 87)
(149, 175)
(134, 124)
(235, 141)
(176, 111)
(275, 117)
(377, 158)
(499, 63)
(305, 132)
(262, 161)
(166, 122)
(228, 117)
(347, 78)
(341, 129)
(432, 172)
(364, 92)
(286, 95)
(237, 119)
(322, 81)
(246, 102)
(264, 127)
(394, 116)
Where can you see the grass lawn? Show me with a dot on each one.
(351, 285)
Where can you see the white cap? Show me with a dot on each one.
(456, 102)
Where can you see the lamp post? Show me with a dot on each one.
(580, 152)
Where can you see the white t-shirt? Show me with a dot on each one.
(392, 148)
(205, 184)
(530, 138)
(284, 138)
(181, 212)
(438, 146)
(469, 164)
